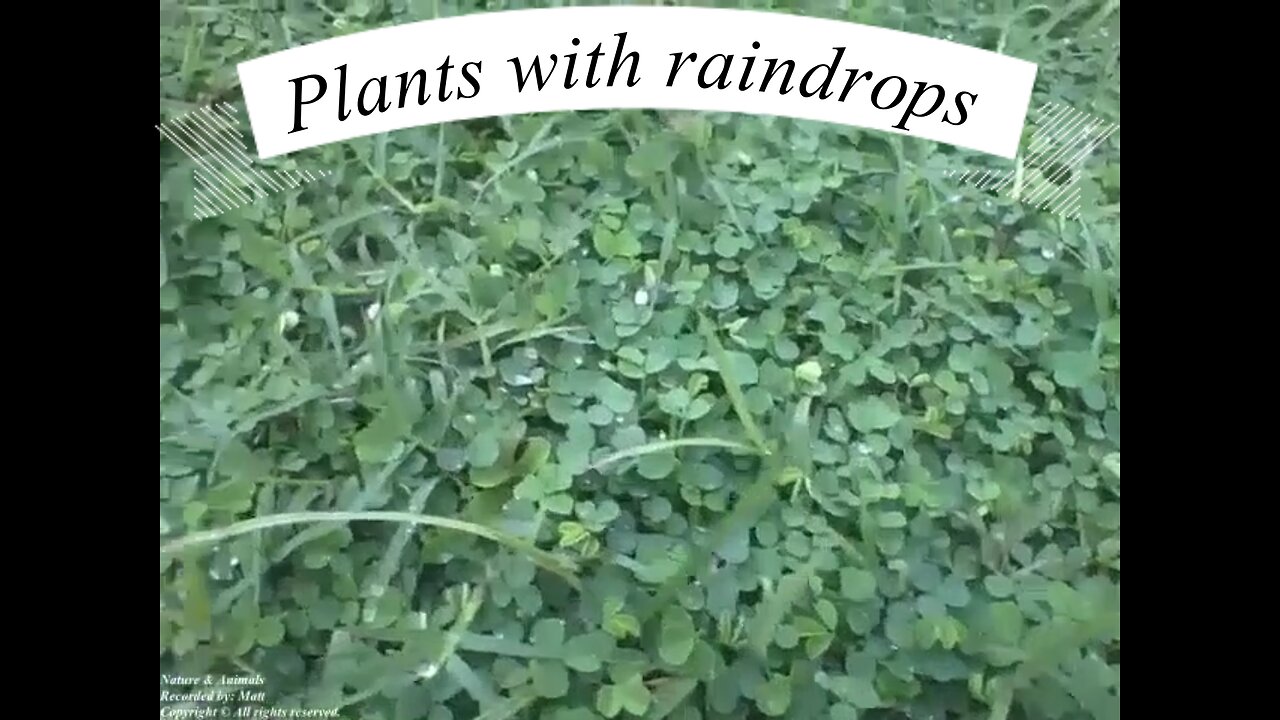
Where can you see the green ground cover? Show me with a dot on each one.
(644, 414)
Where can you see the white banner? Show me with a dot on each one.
(667, 58)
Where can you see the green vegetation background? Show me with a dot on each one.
(639, 414)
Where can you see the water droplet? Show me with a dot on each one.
(1048, 253)
(642, 297)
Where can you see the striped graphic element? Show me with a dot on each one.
(225, 176)
(1050, 166)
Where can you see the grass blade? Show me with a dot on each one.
(731, 386)
(799, 449)
(495, 645)
(774, 606)
(476, 686)
(391, 559)
(664, 445)
(543, 332)
(341, 222)
(563, 567)
(371, 491)
(757, 498)
(484, 332)
(328, 308)
(411, 664)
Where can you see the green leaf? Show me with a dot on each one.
(1112, 464)
(1073, 369)
(809, 371)
(608, 701)
(871, 414)
(857, 585)
(614, 396)
(998, 586)
(668, 695)
(843, 711)
(589, 652)
(808, 627)
(548, 634)
(535, 455)
(483, 450)
(773, 697)
(380, 439)
(622, 625)
(816, 645)
(892, 520)
(859, 692)
(261, 252)
(657, 465)
(773, 608)
(1006, 622)
(270, 631)
(619, 244)
(742, 368)
(633, 695)
(550, 678)
(574, 452)
(828, 613)
(677, 636)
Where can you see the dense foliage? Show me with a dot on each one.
(641, 414)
